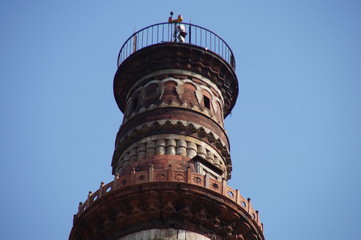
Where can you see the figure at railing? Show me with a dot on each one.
(179, 29)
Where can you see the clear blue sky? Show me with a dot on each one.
(295, 131)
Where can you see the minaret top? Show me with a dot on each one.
(176, 45)
(175, 83)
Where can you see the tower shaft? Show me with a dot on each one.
(172, 155)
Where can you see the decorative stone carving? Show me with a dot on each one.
(197, 180)
(191, 149)
(141, 151)
(150, 149)
(139, 97)
(180, 90)
(173, 145)
(160, 176)
(160, 147)
(179, 177)
(163, 204)
(181, 148)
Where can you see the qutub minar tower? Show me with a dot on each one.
(175, 84)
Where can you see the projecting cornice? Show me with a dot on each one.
(176, 56)
(166, 199)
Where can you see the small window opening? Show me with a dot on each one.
(135, 103)
(207, 102)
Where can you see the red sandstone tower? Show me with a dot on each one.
(175, 84)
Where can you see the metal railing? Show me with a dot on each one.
(173, 32)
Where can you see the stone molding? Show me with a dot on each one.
(187, 128)
(139, 91)
(171, 144)
(190, 75)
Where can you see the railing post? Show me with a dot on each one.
(238, 197)
(206, 181)
(135, 43)
(189, 174)
(190, 34)
(224, 187)
(170, 173)
(132, 176)
(100, 194)
(80, 208)
(232, 61)
(174, 31)
(249, 205)
(115, 183)
(151, 173)
(88, 201)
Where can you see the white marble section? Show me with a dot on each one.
(164, 234)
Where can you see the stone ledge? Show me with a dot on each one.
(124, 191)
